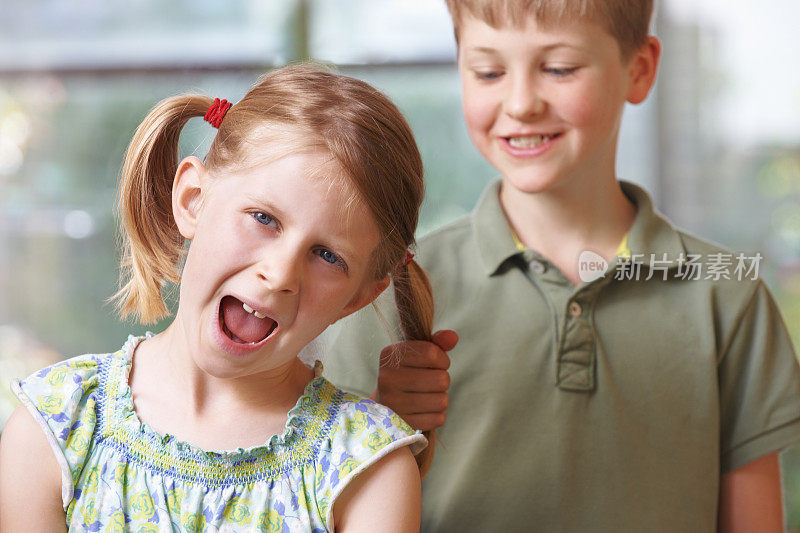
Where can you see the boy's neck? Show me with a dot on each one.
(562, 222)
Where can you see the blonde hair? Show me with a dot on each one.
(628, 21)
(359, 126)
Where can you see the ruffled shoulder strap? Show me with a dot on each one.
(62, 399)
(362, 433)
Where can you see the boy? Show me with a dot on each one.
(648, 399)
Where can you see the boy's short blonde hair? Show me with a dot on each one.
(628, 21)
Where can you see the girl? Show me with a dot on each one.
(304, 207)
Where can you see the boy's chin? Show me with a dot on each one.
(516, 182)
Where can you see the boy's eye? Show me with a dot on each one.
(332, 258)
(265, 219)
(488, 75)
(560, 72)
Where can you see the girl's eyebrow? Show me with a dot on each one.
(341, 246)
(343, 250)
(263, 202)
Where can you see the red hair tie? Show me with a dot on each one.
(216, 112)
(409, 258)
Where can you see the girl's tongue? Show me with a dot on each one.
(242, 326)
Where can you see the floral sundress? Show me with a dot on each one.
(118, 474)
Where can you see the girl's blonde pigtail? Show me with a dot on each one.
(151, 242)
(414, 300)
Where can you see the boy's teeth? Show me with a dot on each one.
(529, 141)
(259, 315)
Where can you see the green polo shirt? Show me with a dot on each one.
(615, 405)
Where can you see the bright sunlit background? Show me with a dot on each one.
(718, 143)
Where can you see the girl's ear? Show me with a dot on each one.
(366, 295)
(187, 193)
(643, 69)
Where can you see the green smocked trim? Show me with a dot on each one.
(308, 425)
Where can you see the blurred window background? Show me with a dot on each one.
(717, 143)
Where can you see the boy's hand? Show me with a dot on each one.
(413, 380)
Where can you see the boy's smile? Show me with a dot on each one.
(543, 104)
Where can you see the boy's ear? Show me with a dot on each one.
(187, 194)
(643, 69)
(366, 295)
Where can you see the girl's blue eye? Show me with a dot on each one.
(264, 218)
(330, 257)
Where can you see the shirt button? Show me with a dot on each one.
(575, 309)
(537, 266)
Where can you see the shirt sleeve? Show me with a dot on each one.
(62, 401)
(759, 385)
(362, 435)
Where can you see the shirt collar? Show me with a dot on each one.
(492, 231)
(650, 237)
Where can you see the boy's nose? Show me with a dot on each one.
(281, 272)
(522, 100)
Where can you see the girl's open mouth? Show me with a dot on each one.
(242, 324)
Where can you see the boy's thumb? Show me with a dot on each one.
(445, 339)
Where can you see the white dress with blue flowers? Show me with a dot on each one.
(118, 474)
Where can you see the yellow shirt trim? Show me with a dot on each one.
(622, 252)
(521, 247)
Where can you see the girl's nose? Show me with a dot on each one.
(281, 272)
(522, 100)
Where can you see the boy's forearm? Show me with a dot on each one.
(750, 498)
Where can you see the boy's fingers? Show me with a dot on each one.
(446, 339)
(404, 403)
(425, 421)
(417, 354)
(405, 379)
